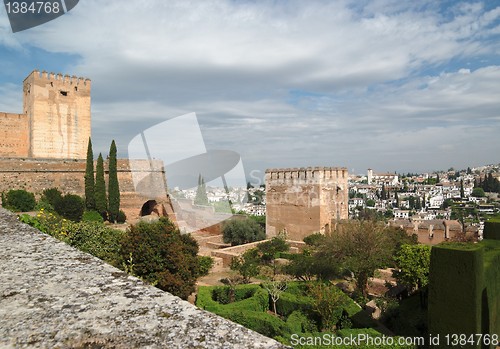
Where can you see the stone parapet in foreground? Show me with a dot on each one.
(54, 296)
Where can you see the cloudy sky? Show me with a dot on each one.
(388, 84)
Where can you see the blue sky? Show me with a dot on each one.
(386, 84)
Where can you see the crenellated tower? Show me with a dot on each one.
(57, 108)
(302, 201)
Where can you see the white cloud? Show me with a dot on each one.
(357, 69)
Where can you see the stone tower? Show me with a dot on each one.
(302, 201)
(57, 108)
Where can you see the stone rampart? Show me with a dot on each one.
(14, 135)
(36, 175)
(302, 201)
(54, 296)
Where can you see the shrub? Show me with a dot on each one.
(261, 322)
(92, 216)
(288, 303)
(44, 205)
(51, 196)
(238, 232)
(70, 207)
(162, 256)
(121, 217)
(300, 323)
(19, 200)
(205, 264)
(97, 239)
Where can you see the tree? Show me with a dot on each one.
(275, 289)
(89, 179)
(160, 255)
(238, 232)
(437, 178)
(301, 267)
(71, 207)
(270, 250)
(370, 203)
(113, 187)
(413, 263)
(383, 195)
(101, 203)
(462, 194)
(329, 303)
(51, 196)
(248, 264)
(201, 193)
(359, 247)
(478, 193)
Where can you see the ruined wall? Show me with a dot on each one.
(58, 111)
(303, 201)
(14, 135)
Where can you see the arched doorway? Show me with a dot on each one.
(149, 207)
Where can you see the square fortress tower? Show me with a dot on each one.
(57, 112)
(303, 201)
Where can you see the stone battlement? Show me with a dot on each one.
(305, 173)
(59, 79)
(302, 201)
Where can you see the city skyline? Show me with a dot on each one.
(373, 84)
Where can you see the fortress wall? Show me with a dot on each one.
(58, 109)
(36, 175)
(305, 200)
(14, 135)
(54, 296)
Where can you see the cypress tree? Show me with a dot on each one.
(462, 194)
(89, 179)
(101, 205)
(113, 189)
(201, 193)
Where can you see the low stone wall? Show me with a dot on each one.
(227, 254)
(54, 296)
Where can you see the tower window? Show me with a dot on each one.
(64, 93)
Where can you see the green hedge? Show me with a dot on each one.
(259, 321)
(257, 302)
(491, 293)
(300, 323)
(288, 303)
(464, 289)
(492, 230)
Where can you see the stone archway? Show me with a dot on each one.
(149, 207)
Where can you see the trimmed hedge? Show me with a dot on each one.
(258, 321)
(288, 303)
(464, 289)
(490, 298)
(249, 312)
(492, 229)
(298, 322)
(257, 302)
